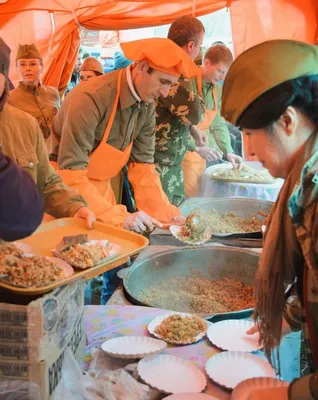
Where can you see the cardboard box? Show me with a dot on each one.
(33, 338)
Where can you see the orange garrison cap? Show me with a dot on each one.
(161, 54)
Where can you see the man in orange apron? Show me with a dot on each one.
(109, 122)
(217, 60)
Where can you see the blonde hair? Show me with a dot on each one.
(219, 53)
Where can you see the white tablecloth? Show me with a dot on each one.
(214, 188)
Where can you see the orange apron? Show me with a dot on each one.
(193, 164)
(105, 162)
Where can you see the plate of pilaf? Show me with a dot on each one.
(178, 328)
(27, 270)
(82, 253)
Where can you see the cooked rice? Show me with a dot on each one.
(34, 271)
(244, 173)
(179, 328)
(199, 295)
(230, 222)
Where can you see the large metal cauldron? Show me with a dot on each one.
(213, 262)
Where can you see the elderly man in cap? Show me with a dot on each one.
(22, 140)
(90, 68)
(178, 112)
(109, 122)
(31, 96)
(21, 204)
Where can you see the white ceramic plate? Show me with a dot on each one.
(176, 229)
(170, 374)
(190, 396)
(158, 320)
(231, 335)
(244, 389)
(133, 346)
(230, 368)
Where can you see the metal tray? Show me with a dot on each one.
(213, 262)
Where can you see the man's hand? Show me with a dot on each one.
(198, 136)
(235, 160)
(88, 215)
(140, 222)
(208, 154)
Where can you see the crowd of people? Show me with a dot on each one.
(159, 119)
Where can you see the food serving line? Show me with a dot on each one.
(60, 324)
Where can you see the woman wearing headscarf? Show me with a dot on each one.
(271, 92)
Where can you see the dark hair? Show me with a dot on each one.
(184, 29)
(219, 53)
(301, 93)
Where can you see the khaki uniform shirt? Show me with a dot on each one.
(22, 140)
(42, 103)
(80, 124)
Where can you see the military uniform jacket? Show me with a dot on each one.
(21, 139)
(42, 103)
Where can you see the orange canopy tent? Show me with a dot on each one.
(54, 24)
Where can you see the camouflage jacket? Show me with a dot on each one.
(174, 115)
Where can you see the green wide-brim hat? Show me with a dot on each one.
(261, 68)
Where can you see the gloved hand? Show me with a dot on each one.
(198, 135)
(280, 393)
(178, 220)
(87, 214)
(235, 160)
(141, 222)
(208, 154)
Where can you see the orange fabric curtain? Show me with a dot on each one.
(58, 40)
(255, 21)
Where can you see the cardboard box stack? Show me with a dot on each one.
(33, 339)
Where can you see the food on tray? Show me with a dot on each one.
(7, 249)
(183, 329)
(68, 241)
(197, 294)
(246, 173)
(83, 253)
(194, 228)
(30, 271)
